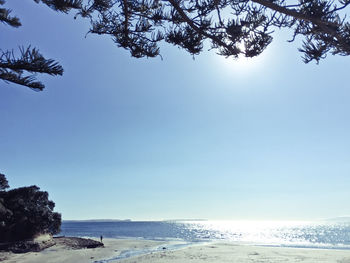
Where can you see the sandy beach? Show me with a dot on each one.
(200, 253)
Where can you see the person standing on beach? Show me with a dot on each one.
(101, 237)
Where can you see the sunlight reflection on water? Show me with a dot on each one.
(282, 233)
(267, 233)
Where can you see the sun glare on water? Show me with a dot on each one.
(258, 232)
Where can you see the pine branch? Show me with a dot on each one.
(62, 5)
(6, 18)
(28, 81)
(322, 33)
(12, 69)
(31, 60)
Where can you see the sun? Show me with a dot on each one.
(242, 65)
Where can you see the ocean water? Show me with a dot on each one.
(329, 235)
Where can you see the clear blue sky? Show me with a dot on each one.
(119, 137)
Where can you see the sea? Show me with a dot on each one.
(303, 234)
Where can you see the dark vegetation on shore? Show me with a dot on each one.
(27, 213)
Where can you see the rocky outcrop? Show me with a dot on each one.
(36, 245)
(45, 241)
(77, 242)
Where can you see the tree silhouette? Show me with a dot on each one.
(26, 212)
(3, 182)
(22, 70)
(233, 27)
(12, 69)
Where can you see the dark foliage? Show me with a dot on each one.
(233, 27)
(23, 69)
(12, 69)
(3, 182)
(26, 212)
(6, 18)
(62, 5)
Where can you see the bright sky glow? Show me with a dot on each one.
(118, 137)
(242, 65)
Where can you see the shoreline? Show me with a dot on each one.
(150, 251)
